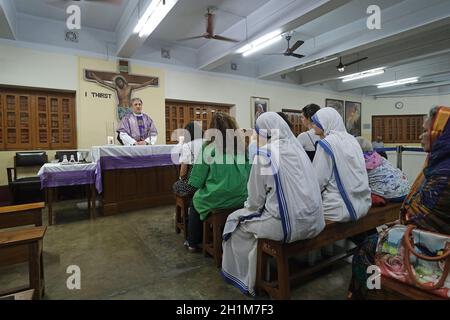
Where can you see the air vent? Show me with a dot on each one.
(72, 36)
(165, 53)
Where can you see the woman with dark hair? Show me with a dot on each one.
(192, 144)
(220, 174)
(308, 139)
(426, 206)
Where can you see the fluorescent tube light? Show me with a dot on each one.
(155, 13)
(148, 12)
(363, 74)
(260, 43)
(318, 62)
(397, 82)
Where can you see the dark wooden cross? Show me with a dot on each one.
(123, 83)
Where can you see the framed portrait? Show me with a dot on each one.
(336, 104)
(353, 117)
(258, 106)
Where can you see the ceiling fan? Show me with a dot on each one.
(290, 50)
(65, 3)
(341, 66)
(209, 34)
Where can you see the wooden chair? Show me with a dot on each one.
(212, 233)
(334, 231)
(26, 189)
(24, 245)
(181, 214)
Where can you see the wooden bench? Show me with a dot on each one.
(212, 233)
(334, 231)
(181, 214)
(21, 215)
(25, 245)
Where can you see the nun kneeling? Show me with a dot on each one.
(284, 202)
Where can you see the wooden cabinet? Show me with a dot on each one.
(180, 113)
(398, 129)
(36, 120)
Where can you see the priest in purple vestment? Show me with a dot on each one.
(137, 128)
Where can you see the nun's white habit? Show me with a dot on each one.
(340, 167)
(283, 204)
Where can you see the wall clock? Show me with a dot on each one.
(399, 105)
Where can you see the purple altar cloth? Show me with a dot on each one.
(129, 162)
(68, 178)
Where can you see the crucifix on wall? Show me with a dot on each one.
(122, 83)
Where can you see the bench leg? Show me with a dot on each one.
(217, 243)
(284, 290)
(184, 218)
(34, 265)
(177, 217)
(205, 237)
(261, 269)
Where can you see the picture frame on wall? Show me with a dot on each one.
(338, 105)
(353, 118)
(258, 106)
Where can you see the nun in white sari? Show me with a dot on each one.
(283, 204)
(340, 167)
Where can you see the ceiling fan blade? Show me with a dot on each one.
(297, 45)
(274, 54)
(356, 61)
(297, 55)
(217, 37)
(192, 38)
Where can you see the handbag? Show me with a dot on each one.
(416, 257)
(182, 187)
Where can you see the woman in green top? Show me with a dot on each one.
(220, 175)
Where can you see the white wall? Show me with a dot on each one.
(33, 68)
(219, 88)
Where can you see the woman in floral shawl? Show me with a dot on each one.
(426, 206)
(385, 180)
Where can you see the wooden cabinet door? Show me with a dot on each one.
(18, 121)
(67, 114)
(42, 138)
(55, 121)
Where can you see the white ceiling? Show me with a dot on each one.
(100, 15)
(188, 19)
(414, 38)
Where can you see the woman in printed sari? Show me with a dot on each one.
(283, 203)
(385, 180)
(426, 206)
(340, 169)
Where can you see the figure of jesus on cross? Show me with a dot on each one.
(123, 84)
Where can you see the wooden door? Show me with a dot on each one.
(179, 114)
